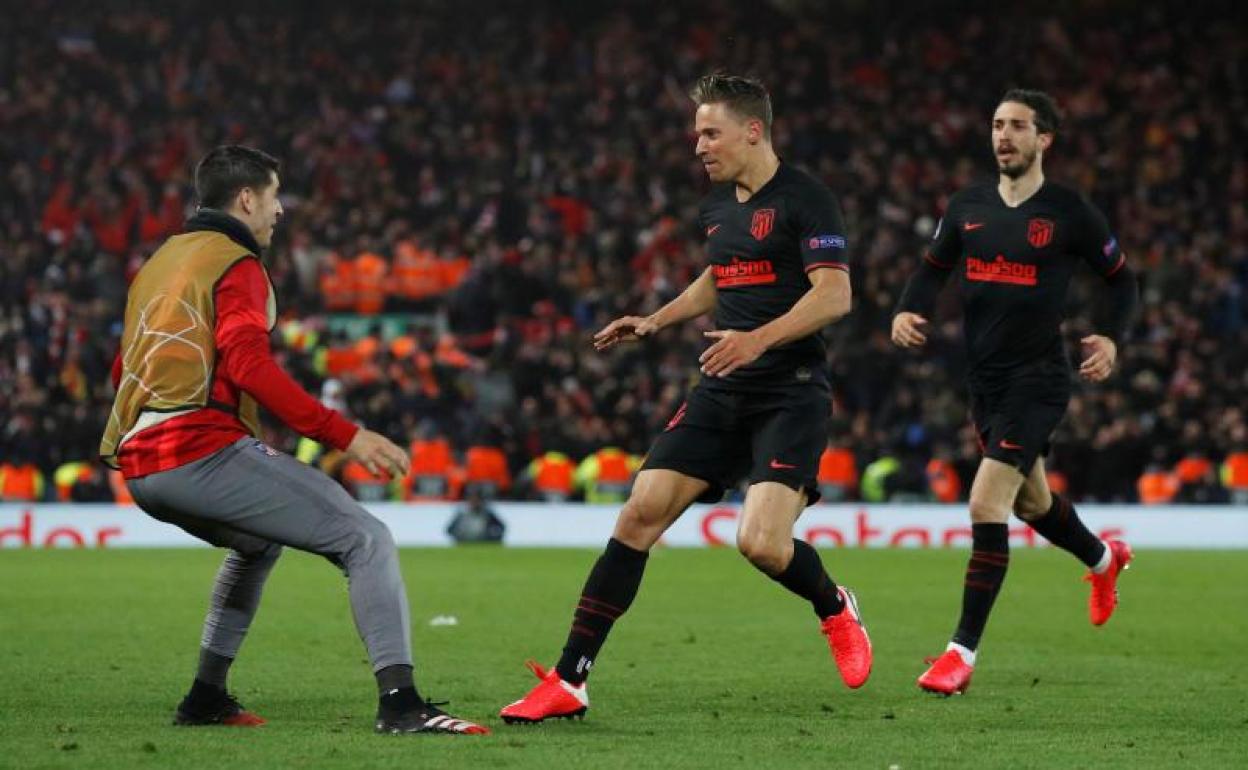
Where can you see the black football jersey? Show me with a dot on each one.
(1015, 266)
(760, 253)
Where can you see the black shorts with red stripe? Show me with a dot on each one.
(1015, 420)
(723, 435)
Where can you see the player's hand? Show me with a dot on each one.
(377, 453)
(629, 328)
(908, 330)
(1100, 354)
(732, 349)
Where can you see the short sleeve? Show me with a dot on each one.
(1094, 243)
(821, 232)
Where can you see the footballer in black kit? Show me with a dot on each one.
(1015, 266)
(1015, 246)
(777, 275)
(767, 420)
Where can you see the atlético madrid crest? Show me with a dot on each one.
(760, 225)
(1040, 232)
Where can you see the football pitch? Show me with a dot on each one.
(715, 666)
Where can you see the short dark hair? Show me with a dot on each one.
(227, 169)
(1048, 119)
(746, 96)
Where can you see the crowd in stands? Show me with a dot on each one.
(472, 190)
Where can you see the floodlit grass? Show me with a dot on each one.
(714, 666)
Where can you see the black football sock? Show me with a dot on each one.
(609, 591)
(205, 695)
(213, 668)
(399, 700)
(396, 677)
(806, 577)
(990, 558)
(1062, 527)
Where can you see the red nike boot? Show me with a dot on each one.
(552, 698)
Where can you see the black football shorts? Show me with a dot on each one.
(1014, 422)
(723, 436)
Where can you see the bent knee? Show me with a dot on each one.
(267, 555)
(985, 512)
(1029, 510)
(640, 523)
(370, 535)
(770, 557)
(1032, 507)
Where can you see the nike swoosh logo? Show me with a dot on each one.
(782, 466)
(969, 226)
(1007, 445)
(711, 230)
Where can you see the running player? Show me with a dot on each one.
(778, 274)
(194, 363)
(1016, 245)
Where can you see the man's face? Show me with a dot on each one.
(262, 209)
(724, 140)
(1015, 141)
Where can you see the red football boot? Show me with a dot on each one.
(552, 698)
(847, 637)
(1104, 596)
(948, 674)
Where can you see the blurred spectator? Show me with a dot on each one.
(606, 476)
(21, 481)
(549, 476)
(838, 474)
(476, 522)
(434, 474)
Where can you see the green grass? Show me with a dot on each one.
(714, 666)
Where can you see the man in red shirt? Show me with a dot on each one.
(183, 432)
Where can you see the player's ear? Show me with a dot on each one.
(1045, 140)
(754, 131)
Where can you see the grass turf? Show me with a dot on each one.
(714, 666)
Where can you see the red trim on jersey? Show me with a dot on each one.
(1122, 260)
(837, 265)
(245, 364)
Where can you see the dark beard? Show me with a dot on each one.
(1014, 172)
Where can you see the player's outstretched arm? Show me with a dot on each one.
(697, 299)
(827, 300)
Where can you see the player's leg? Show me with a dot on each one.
(268, 495)
(232, 607)
(235, 599)
(787, 431)
(992, 498)
(695, 457)
(658, 498)
(765, 537)
(1056, 520)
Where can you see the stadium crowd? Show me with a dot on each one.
(472, 191)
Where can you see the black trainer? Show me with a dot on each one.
(206, 705)
(425, 718)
